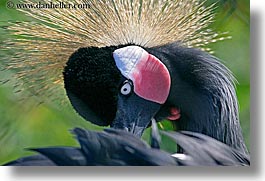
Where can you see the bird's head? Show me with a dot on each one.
(127, 86)
(119, 86)
(144, 88)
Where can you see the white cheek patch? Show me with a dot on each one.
(127, 59)
(150, 76)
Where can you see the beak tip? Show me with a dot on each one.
(138, 131)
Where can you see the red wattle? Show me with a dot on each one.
(152, 80)
(174, 114)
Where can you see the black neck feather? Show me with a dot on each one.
(203, 89)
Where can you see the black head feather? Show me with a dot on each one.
(91, 82)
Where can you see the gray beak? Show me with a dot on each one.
(134, 114)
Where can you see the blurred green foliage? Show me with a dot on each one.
(27, 124)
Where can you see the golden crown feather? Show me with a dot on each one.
(42, 47)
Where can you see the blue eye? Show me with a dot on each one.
(126, 88)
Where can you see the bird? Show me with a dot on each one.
(199, 94)
(176, 82)
(124, 63)
(115, 147)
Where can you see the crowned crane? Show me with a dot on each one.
(130, 62)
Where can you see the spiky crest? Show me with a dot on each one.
(41, 48)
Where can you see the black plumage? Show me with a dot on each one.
(202, 88)
(35, 160)
(113, 147)
(91, 82)
(204, 150)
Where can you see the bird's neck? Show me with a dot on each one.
(216, 119)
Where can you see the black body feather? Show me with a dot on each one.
(120, 148)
